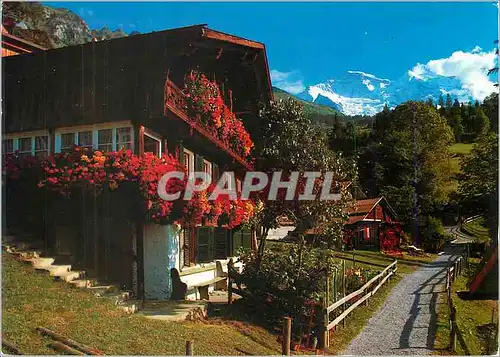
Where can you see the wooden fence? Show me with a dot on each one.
(361, 295)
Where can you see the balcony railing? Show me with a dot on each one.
(175, 102)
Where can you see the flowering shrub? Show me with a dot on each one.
(62, 173)
(205, 104)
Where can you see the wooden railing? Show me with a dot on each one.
(367, 290)
(175, 102)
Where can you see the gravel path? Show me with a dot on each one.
(406, 323)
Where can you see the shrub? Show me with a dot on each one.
(287, 284)
(433, 236)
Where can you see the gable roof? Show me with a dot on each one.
(364, 207)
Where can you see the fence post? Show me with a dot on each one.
(229, 282)
(453, 332)
(343, 290)
(287, 336)
(189, 347)
(323, 325)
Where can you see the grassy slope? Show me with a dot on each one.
(478, 229)
(457, 151)
(470, 314)
(310, 108)
(31, 299)
(406, 264)
(461, 148)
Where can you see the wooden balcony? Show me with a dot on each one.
(175, 102)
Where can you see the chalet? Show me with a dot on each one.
(127, 93)
(13, 45)
(365, 219)
(371, 223)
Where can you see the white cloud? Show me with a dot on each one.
(470, 68)
(382, 85)
(288, 81)
(477, 49)
(368, 85)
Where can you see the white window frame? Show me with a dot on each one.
(191, 159)
(94, 129)
(209, 164)
(157, 138)
(29, 134)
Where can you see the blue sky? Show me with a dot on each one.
(308, 43)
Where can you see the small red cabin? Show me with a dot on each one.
(369, 222)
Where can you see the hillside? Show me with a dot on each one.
(310, 108)
(50, 27)
(31, 299)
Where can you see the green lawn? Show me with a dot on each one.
(470, 315)
(31, 299)
(478, 229)
(461, 148)
(406, 264)
(457, 151)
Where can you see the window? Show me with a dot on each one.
(25, 147)
(41, 146)
(105, 140)
(8, 146)
(207, 167)
(67, 142)
(85, 139)
(152, 144)
(124, 138)
(34, 143)
(188, 160)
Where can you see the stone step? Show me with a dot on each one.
(68, 275)
(81, 283)
(28, 255)
(55, 269)
(101, 290)
(39, 263)
(118, 297)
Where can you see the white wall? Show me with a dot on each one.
(279, 233)
(161, 253)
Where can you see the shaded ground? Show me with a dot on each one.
(406, 323)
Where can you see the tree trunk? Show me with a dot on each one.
(262, 245)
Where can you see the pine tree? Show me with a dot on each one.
(430, 102)
(448, 102)
(441, 101)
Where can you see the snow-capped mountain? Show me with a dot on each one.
(359, 93)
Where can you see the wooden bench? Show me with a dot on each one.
(220, 282)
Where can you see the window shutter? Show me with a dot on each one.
(181, 153)
(204, 244)
(184, 248)
(220, 243)
(198, 163)
(246, 238)
(215, 173)
(237, 241)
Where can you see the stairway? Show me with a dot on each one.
(29, 250)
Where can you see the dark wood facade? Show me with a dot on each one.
(134, 80)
